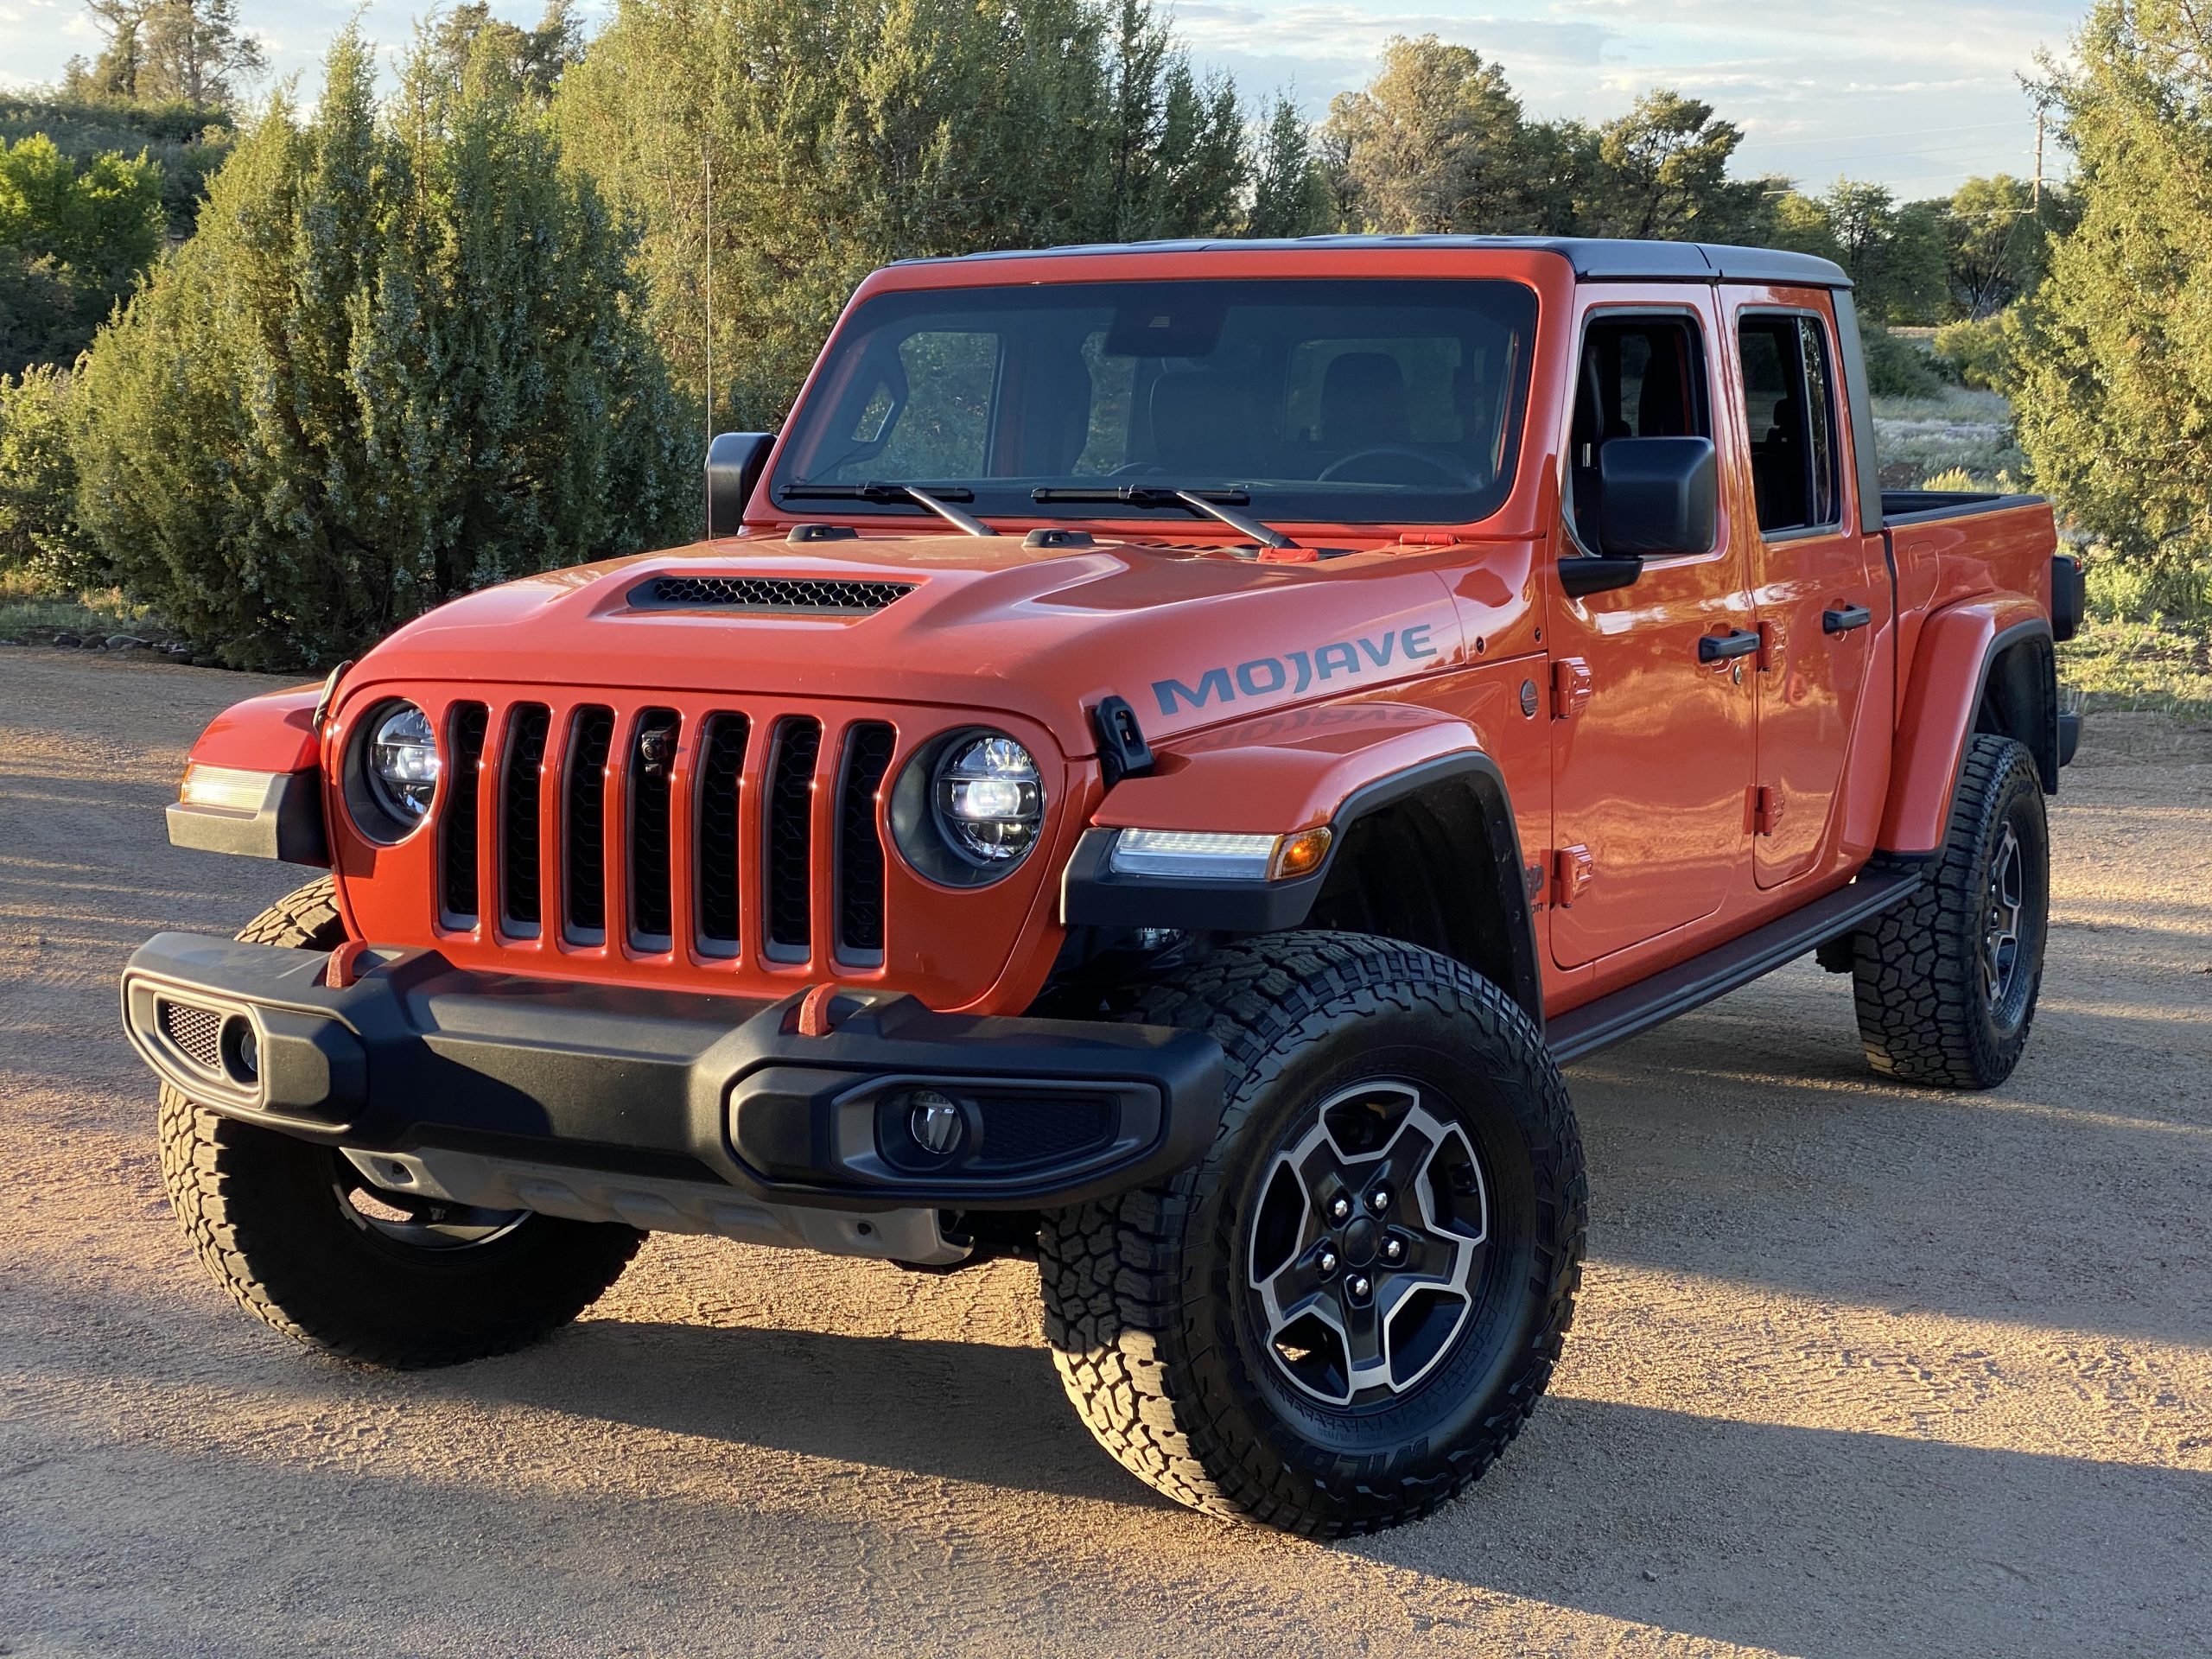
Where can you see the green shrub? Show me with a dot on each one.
(1897, 368)
(1975, 351)
(401, 358)
(39, 539)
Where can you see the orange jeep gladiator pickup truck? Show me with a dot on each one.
(1155, 767)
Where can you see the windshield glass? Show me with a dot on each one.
(1359, 402)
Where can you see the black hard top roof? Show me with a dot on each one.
(1593, 258)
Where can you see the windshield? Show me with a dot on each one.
(1359, 402)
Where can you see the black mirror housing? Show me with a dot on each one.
(734, 463)
(1658, 496)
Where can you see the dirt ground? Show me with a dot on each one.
(1858, 1371)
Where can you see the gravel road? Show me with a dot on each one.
(1858, 1371)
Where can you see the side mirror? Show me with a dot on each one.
(734, 463)
(1657, 496)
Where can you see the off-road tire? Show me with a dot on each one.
(264, 1212)
(1140, 1290)
(1925, 1013)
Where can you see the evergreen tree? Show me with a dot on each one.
(2113, 354)
(401, 357)
(1435, 142)
(188, 52)
(796, 144)
(1290, 192)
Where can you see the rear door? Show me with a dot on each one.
(1651, 747)
(1812, 589)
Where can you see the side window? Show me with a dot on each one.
(1789, 412)
(1642, 376)
(941, 430)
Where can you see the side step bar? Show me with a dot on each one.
(1580, 1032)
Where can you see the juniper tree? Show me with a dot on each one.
(403, 356)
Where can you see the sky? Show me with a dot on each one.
(1915, 97)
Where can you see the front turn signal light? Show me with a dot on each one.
(1301, 854)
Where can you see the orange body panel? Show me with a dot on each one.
(1698, 799)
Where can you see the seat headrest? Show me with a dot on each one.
(1364, 401)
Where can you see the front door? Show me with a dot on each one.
(1651, 745)
(1814, 594)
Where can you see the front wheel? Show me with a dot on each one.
(1342, 1314)
(301, 1239)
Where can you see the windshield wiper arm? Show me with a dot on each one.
(1211, 503)
(938, 501)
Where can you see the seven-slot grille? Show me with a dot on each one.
(604, 824)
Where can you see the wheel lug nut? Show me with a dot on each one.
(1394, 1250)
(1379, 1199)
(1327, 1261)
(1340, 1207)
(1358, 1285)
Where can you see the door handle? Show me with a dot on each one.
(1720, 647)
(1844, 618)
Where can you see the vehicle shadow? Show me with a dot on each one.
(1719, 1529)
(963, 1411)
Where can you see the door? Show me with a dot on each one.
(1811, 586)
(1651, 753)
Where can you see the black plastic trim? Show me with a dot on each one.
(416, 1053)
(287, 826)
(734, 463)
(1902, 507)
(1093, 895)
(2069, 596)
(1580, 1032)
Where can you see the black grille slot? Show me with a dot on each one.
(652, 757)
(791, 836)
(457, 830)
(519, 798)
(584, 866)
(198, 1033)
(823, 596)
(860, 849)
(721, 768)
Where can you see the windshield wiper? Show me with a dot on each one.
(1210, 504)
(938, 501)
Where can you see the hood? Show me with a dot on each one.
(1189, 636)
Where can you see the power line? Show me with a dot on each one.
(1969, 126)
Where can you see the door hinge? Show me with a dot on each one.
(1573, 869)
(1772, 637)
(1766, 810)
(1570, 687)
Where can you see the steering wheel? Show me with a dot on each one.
(1450, 471)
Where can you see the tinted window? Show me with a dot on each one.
(1352, 401)
(1640, 377)
(1789, 412)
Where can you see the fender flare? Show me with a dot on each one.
(1957, 650)
(1092, 894)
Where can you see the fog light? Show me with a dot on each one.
(933, 1121)
(241, 1051)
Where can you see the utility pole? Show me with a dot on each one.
(2041, 117)
(707, 229)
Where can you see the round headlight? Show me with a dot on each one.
(990, 802)
(402, 762)
(969, 808)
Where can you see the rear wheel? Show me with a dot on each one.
(302, 1239)
(1348, 1309)
(1946, 983)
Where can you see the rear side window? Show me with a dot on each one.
(1789, 412)
(1641, 377)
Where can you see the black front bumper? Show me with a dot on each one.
(418, 1054)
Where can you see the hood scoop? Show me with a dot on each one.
(805, 595)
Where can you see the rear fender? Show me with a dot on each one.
(2002, 641)
(1358, 768)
